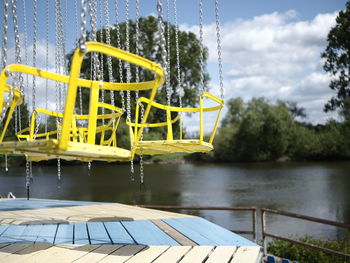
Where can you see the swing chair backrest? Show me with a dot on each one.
(169, 121)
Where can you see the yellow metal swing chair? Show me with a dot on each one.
(171, 145)
(70, 141)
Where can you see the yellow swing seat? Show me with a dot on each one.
(79, 143)
(169, 145)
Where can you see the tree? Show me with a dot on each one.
(189, 52)
(337, 59)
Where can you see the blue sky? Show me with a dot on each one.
(270, 48)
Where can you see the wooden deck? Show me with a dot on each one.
(69, 231)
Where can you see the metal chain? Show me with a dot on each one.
(137, 43)
(142, 174)
(77, 43)
(83, 25)
(6, 166)
(163, 45)
(179, 87)
(218, 39)
(201, 48)
(27, 173)
(169, 91)
(128, 77)
(59, 176)
(47, 59)
(119, 46)
(108, 42)
(34, 51)
(26, 52)
(102, 62)
(5, 33)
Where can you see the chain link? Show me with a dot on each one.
(201, 56)
(108, 42)
(26, 51)
(6, 165)
(179, 87)
(218, 39)
(27, 173)
(137, 47)
(59, 176)
(83, 25)
(169, 90)
(5, 33)
(47, 58)
(163, 46)
(119, 46)
(34, 51)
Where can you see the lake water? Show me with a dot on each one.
(319, 189)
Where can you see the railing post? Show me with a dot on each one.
(263, 230)
(254, 224)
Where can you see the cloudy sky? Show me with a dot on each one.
(270, 48)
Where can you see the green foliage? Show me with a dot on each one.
(337, 59)
(189, 52)
(307, 255)
(261, 131)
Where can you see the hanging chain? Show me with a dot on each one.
(169, 91)
(83, 25)
(34, 52)
(218, 39)
(59, 176)
(179, 87)
(27, 173)
(128, 77)
(201, 56)
(47, 59)
(163, 46)
(6, 165)
(108, 41)
(102, 63)
(5, 33)
(137, 43)
(77, 44)
(26, 52)
(119, 46)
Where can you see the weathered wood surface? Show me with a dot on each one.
(130, 253)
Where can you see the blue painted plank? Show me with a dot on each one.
(81, 234)
(216, 234)
(31, 233)
(192, 234)
(145, 232)
(12, 205)
(98, 233)
(3, 228)
(47, 234)
(13, 234)
(118, 234)
(64, 234)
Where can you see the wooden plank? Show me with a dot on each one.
(173, 254)
(81, 234)
(246, 255)
(207, 233)
(13, 234)
(123, 254)
(144, 232)
(118, 234)
(10, 249)
(221, 254)
(98, 233)
(24, 254)
(64, 234)
(189, 232)
(148, 254)
(47, 234)
(31, 233)
(61, 253)
(197, 254)
(177, 236)
(3, 228)
(98, 254)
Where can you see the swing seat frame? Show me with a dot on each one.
(42, 147)
(169, 145)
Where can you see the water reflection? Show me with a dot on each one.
(316, 189)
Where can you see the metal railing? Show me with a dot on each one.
(223, 208)
(265, 234)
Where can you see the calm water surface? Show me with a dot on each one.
(315, 189)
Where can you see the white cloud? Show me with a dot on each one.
(276, 56)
